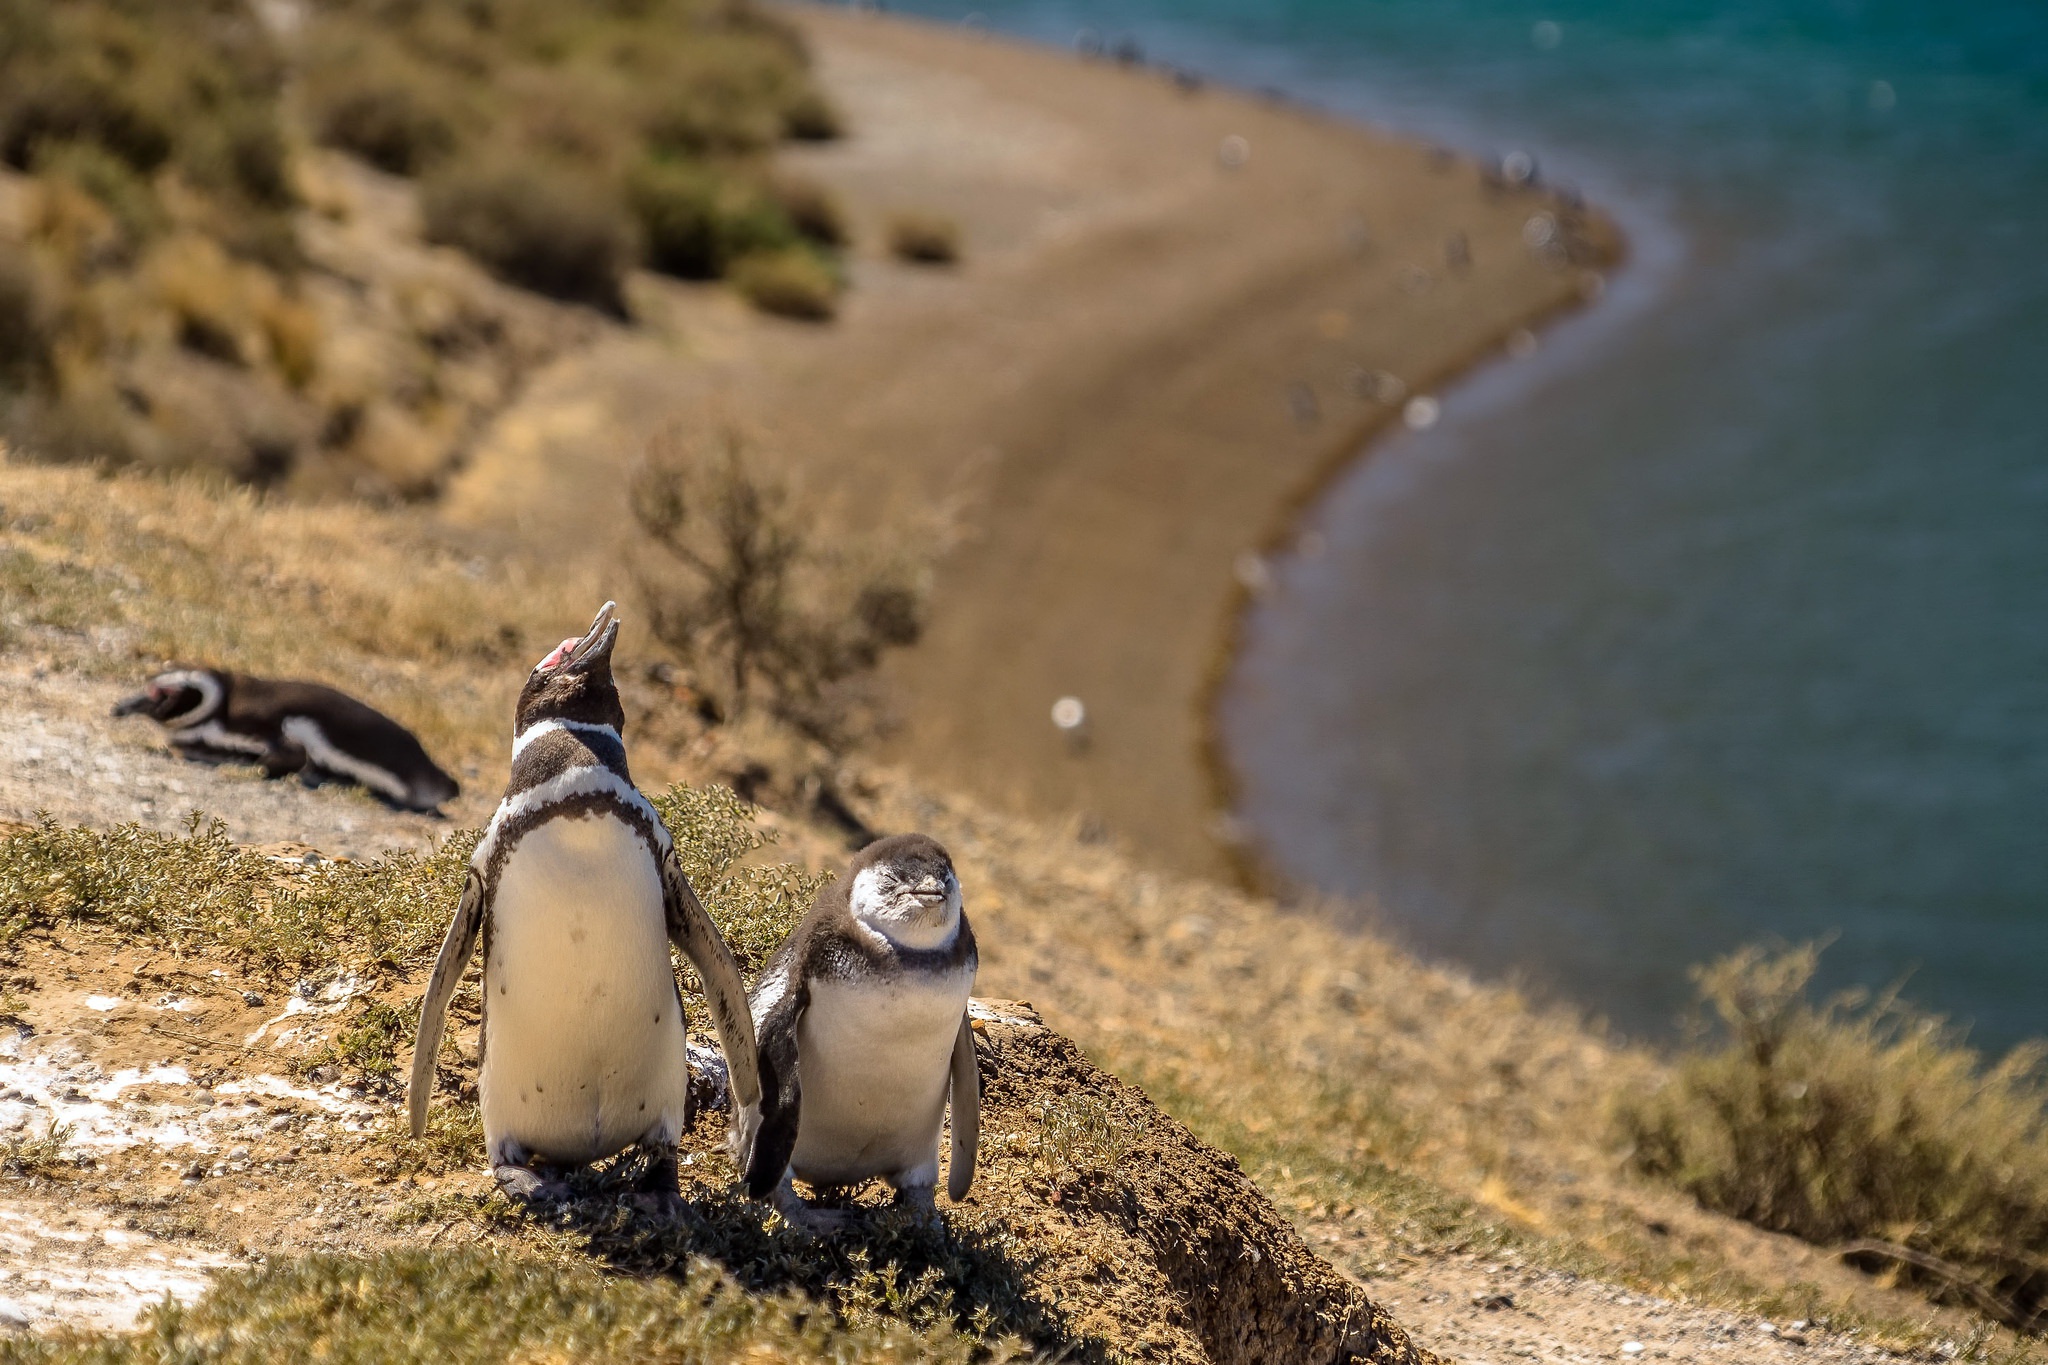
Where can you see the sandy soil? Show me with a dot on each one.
(1149, 356)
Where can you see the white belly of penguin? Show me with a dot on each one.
(583, 1046)
(873, 1059)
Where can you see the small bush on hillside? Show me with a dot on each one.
(745, 589)
(535, 226)
(387, 121)
(811, 209)
(696, 223)
(924, 238)
(1860, 1121)
(790, 284)
(810, 117)
(24, 330)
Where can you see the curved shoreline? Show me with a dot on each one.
(1145, 365)
(1251, 866)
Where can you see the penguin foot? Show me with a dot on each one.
(802, 1216)
(658, 1191)
(523, 1182)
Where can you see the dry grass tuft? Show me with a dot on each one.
(924, 239)
(791, 284)
(1860, 1120)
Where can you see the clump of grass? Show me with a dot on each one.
(754, 905)
(474, 1307)
(1081, 1135)
(924, 239)
(32, 1157)
(1860, 1120)
(790, 284)
(536, 225)
(812, 210)
(202, 893)
(695, 223)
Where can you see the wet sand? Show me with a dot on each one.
(1154, 351)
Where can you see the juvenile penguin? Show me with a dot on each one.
(291, 727)
(861, 1016)
(576, 892)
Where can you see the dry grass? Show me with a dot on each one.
(793, 284)
(1365, 1091)
(1860, 1120)
(451, 1307)
(924, 239)
(111, 574)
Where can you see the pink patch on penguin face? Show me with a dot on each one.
(561, 652)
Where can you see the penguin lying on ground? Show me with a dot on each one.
(861, 1017)
(291, 727)
(577, 894)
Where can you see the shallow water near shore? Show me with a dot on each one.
(1726, 615)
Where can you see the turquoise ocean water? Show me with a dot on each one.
(1726, 615)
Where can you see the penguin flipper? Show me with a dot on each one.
(448, 969)
(782, 996)
(690, 929)
(966, 1101)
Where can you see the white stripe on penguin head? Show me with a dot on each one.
(205, 684)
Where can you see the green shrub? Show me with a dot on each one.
(72, 102)
(242, 153)
(811, 209)
(109, 180)
(695, 222)
(924, 238)
(536, 226)
(810, 117)
(792, 284)
(387, 121)
(1860, 1121)
(24, 331)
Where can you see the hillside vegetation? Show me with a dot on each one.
(187, 280)
(1396, 1112)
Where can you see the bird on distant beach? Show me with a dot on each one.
(577, 895)
(291, 727)
(861, 1016)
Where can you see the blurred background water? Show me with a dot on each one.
(1726, 616)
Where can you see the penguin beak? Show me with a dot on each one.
(133, 704)
(597, 642)
(929, 888)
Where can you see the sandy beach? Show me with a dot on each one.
(1164, 336)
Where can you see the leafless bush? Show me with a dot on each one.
(743, 587)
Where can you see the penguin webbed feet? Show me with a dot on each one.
(800, 1214)
(531, 1186)
(658, 1190)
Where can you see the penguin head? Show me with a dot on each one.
(178, 697)
(575, 681)
(904, 886)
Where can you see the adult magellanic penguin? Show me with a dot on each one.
(291, 727)
(576, 892)
(861, 1017)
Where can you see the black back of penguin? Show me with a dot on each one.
(289, 725)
